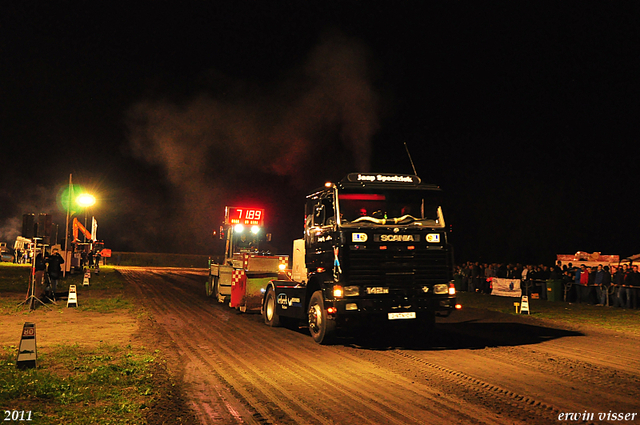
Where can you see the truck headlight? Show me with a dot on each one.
(441, 288)
(351, 291)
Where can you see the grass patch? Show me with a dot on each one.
(107, 384)
(105, 305)
(617, 319)
(95, 383)
(14, 277)
(104, 294)
(10, 306)
(108, 279)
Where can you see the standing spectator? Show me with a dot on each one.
(627, 282)
(40, 267)
(582, 279)
(619, 299)
(54, 261)
(576, 283)
(475, 277)
(525, 283)
(502, 271)
(567, 281)
(489, 274)
(635, 288)
(466, 277)
(606, 284)
(457, 278)
(598, 281)
(518, 271)
(591, 286)
(97, 259)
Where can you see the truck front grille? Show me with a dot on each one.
(396, 268)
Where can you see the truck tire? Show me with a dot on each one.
(271, 317)
(322, 330)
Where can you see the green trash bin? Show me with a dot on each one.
(555, 291)
(457, 282)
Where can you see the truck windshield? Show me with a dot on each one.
(397, 206)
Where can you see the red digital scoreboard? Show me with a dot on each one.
(244, 216)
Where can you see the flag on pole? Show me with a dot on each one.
(71, 200)
(94, 229)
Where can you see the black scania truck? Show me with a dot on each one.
(374, 249)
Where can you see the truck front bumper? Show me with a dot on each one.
(382, 306)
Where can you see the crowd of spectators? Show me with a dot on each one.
(616, 286)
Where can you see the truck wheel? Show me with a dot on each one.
(322, 330)
(271, 317)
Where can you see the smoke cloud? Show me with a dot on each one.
(256, 143)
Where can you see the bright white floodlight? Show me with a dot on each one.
(86, 200)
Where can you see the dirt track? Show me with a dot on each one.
(483, 367)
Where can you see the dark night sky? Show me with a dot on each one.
(526, 113)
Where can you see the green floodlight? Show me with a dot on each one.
(68, 199)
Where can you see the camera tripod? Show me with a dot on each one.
(31, 298)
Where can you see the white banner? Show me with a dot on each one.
(506, 287)
(94, 229)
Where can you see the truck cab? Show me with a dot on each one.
(374, 249)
